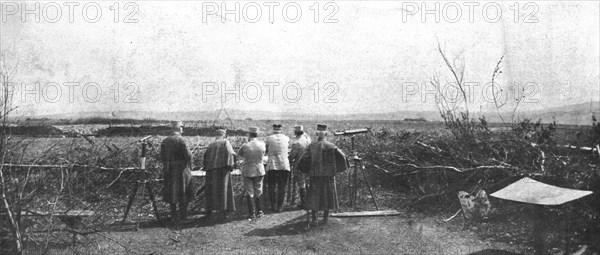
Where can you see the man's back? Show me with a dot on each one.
(277, 144)
(219, 154)
(173, 148)
(253, 151)
(299, 144)
(326, 159)
(277, 150)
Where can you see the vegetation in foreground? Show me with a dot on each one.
(419, 169)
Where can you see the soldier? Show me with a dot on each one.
(175, 157)
(321, 162)
(299, 145)
(219, 161)
(253, 171)
(278, 167)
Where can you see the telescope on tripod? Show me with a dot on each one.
(357, 165)
(353, 180)
(352, 132)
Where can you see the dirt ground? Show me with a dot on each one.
(287, 233)
(414, 231)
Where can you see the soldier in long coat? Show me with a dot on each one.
(176, 158)
(321, 162)
(299, 144)
(219, 161)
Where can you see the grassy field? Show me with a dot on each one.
(566, 134)
(386, 151)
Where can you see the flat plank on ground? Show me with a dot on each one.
(69, 213)
(366, 213)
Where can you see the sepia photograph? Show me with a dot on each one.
(300, 127)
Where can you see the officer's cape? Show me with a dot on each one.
(323, 158)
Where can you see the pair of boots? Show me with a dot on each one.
(276, 197)
(182, 215)
(254, 207)
(302, 204)
(325, 217)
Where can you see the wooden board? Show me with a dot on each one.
(531, 191)
(202, 173)
(80, 213)
(366, 213)
(70, 213)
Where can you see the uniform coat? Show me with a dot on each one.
(219, 160)
(175, 157)
(277, 152)
(320, 163)
(253, 168)
(253, 152)
(299, 145)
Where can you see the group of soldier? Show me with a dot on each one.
(313, 165)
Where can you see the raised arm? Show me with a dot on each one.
(232, 157)
(240, 152)
(267, 146)
(229, 148)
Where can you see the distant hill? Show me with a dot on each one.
(576, 114)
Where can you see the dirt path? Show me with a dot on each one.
(286, 233)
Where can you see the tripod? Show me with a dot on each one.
(144, 183)
(353, 178)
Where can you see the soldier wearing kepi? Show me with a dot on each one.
(321, 161)
(175, 157)
(219, 161)
(253, 171)
(299, 145)
(278, 167)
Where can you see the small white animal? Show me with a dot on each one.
(478, 206)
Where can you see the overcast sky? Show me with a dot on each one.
(372, 56)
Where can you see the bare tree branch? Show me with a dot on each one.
(494, 75)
